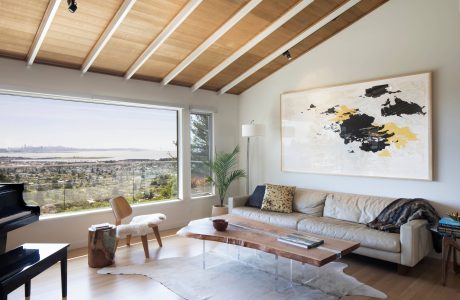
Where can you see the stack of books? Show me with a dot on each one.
(102, 226)
(301, 240)
(448, 225)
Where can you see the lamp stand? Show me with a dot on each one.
(247, 166)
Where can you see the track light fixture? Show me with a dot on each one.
(72, 4)
(287, 54)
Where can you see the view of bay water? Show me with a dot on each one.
(87, 155)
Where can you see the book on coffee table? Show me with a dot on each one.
(301, 240)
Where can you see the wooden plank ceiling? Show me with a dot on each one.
(71, 36)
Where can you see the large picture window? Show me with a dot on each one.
(201, 148)
(77, 155)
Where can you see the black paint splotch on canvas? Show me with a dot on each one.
(311, 107)
(401, 107)
(360, 128)
(379, 90)
(330, 111)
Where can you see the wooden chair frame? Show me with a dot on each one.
(121, 210)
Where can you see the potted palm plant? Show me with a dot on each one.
(225, 173)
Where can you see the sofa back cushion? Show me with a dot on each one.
(310, 202)
(355, 208)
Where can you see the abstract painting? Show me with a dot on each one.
(379, 128)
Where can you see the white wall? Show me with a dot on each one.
(400, 37)
(54, 80)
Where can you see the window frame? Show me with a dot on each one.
(211, 114)
(181, 112)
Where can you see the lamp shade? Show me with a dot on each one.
(248, 130)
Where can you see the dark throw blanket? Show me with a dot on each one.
(402, 211)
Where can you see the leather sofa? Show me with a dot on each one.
(344, 216)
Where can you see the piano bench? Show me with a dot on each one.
(49, 254)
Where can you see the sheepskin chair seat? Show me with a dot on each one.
(139, 225)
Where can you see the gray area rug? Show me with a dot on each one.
(248, 274)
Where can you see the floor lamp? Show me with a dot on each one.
(248, 131)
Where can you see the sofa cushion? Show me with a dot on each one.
(310, 202)
(275, 218)
(355, 208)
(351, 231)
(278, 198)
(257, 197)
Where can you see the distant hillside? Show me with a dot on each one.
(54, 149)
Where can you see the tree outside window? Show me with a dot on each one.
(201, 152)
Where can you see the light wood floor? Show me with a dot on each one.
(423, 282)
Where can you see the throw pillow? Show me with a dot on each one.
(255, 200)
(278, 198)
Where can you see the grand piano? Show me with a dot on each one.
(14, 212)
(20, 265)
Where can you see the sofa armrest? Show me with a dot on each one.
(416, 242)
(237, 201)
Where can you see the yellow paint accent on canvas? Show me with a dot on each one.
(343, 113)
(385, 153)
(402, 135)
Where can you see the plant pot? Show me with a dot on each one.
(218, 210)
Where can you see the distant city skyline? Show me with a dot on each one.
(37, 122)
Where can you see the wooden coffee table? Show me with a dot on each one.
(261, 236)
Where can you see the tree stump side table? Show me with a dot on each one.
(101, 246)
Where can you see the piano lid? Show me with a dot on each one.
(14, 212)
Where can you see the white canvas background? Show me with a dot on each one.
(308, 147)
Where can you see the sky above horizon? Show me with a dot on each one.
(45, 122)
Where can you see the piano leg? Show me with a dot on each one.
(64, 276)
(2, 243)
(27, 289)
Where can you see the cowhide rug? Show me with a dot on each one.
(249, 277)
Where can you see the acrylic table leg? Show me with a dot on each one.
(204, 254)
(64, 277)
(276, 267)
(27, 289)
(290, 273)
(303, 278)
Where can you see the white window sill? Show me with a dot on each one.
(101, 210)
(203, 196)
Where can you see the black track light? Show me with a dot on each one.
(72, 5)
(287, 54)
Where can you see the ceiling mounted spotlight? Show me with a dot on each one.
(72, 5)
(287, 54)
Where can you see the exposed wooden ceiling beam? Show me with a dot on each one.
(209, 41)
(43, 30)
(159, 40)
(309, 31)
(254, 41)
(107, 34)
